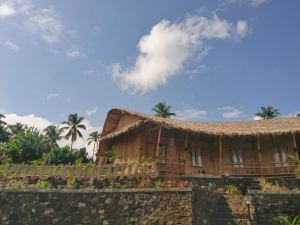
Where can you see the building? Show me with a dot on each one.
(247, 148)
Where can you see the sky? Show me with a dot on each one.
(210, 60)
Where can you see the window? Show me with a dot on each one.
(196, 157)
(237, 157)
(162, 154)
(280, 155)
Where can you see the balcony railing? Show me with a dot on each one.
(260, 169)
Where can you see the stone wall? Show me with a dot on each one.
(101, 207)
(271, 204)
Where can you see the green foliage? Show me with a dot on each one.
(231, 190)
(71, 182)
(52, 134)
(73, 125)
(41, 184)
(162, 109)
(94, 138)
(110, 154)
(25, 146)
(62, 155)
(143, 160)
(268, 112)
(288, 220)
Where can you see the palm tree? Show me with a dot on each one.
(73, 126)
(1, 121)
(53, 134)
(94, 138)
(163, 110)
(16, 128)
(268, 112)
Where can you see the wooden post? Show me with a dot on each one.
(259, 155)
(295, 146)
(220, 155)
(186, 146)
(158, 142)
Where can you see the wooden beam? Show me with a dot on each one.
(259, 154)
(158, 142)
(295, 146)
(186, 146)
(220, 155)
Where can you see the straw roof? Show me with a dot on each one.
(241, 128)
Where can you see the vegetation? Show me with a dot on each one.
(266, 186)
(22, 144)
(94, 138)
(73, 125)
(162, 109)
(268, 112)
(25, 146)
(288, 220)
(111, 155)
(231, 190)
(53, 134)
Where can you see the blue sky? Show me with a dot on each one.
(210, 60)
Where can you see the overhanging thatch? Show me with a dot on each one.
(242, 128)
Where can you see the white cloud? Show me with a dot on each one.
(75, 54)
(41, 123)
(257, 118)
(256, 3)
(52, 95)
(242, 28)
(190, 113)
(6, 9)
(11, 45)
(46, 24)
(163, 52)
(91, 111)
(230, 112)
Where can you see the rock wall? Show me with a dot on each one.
(101, 207)
(271, 204)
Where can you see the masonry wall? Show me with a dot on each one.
(111, 207)
(271, 204)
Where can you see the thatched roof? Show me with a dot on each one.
(242, 128)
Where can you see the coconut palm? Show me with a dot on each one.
(94, 138)
(53, 134)
(163, 110)
(1, 121)
(268, 112)
(16, 128)
(288, 220)
(73, 127)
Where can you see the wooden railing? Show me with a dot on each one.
(79, 171)
(259, 169)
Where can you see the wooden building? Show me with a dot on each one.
(247, 148)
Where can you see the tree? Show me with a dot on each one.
(268, 112)
(26, 146)
(62, 155)
(94, 138)
(73, 127)
(4, 134)
(52, 134)
(16, 128)
(163, 110)
(1, 121)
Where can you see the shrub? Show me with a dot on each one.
(288, 220)
(231, 190)
(62, 155)
(41, 184)
(266, 186)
